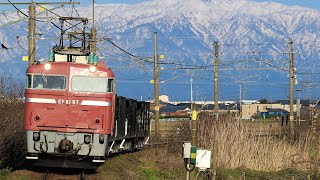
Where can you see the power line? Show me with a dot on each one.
(257, 44)
(73, 7)
(23, 12)
(130, 54)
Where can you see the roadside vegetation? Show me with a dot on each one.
(146, 164)
(260, 149)
(12, 141)
(264, 148)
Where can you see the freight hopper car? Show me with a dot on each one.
(73, 117)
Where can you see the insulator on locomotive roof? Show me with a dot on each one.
(95, 60)
(51, 56)
(91, 58)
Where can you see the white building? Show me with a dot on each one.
(164, 98)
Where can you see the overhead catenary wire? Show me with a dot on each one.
(73, 7)
(130, 54)
(23, 12)
(268, 63)
(27, 17)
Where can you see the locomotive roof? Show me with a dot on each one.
(65, 68)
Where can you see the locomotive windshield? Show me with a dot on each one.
(53, 82)
(91, 84)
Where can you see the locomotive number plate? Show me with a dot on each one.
(68, 101)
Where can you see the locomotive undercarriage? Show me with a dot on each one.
(123, 145)
(72, 150)
(46, 145)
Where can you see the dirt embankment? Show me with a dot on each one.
(144, 164)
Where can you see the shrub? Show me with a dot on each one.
(12, 142)
(236, 144)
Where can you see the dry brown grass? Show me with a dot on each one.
(12, 141)
(154, 163)
(236, 145)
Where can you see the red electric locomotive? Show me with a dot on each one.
(72, 113)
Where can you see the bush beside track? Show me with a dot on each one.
(12, 141)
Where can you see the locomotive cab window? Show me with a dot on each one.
(91, 84)
(110, 85)
(29, 81)
(52, 82)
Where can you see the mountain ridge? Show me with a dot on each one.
(187, 30)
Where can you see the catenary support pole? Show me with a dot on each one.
(93, 32)
(291, 68)
(156, 86)
(32, 34)
(216, 77)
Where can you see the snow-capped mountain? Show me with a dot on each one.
(246, 30)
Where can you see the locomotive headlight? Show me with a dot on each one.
(87, 139)
(47, 66)
(93, 69)
(36, 136)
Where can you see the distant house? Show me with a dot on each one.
(249, 101)
(184, 105)
(177, 111)
(249, 110)
(184, 109)
(274, 112)
(222, 107)
(167, 109)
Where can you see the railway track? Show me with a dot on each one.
(154, 145)
(82, 175)
(48, 175)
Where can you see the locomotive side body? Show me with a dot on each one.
(69, 110)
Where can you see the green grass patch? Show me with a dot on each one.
(155, 173)
(4, 173)
(142, 165)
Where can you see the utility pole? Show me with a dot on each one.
(93, 32)
(216, 77)
(191, 93)
(32, 34)
(240, 101)
(156, 85)
(32, 25)
(291, 67)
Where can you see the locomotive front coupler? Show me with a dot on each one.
(65, 145)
